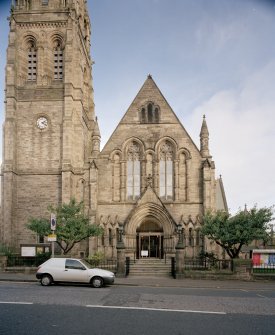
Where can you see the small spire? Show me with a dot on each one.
(204, 139)
(95, 140)
(150, 76)
(204, 128)
(96, 131)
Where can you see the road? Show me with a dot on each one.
(28, 308)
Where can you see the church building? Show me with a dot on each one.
(146, 184)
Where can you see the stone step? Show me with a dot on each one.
(150, 268)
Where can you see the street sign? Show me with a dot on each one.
(51, 237)
(53, 221)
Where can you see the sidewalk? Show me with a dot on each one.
(162, 282)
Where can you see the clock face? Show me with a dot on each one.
(42, 122)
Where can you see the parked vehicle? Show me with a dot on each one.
(73, 270)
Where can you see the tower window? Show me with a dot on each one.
(32, 63)
(149, 114)
(58, 62)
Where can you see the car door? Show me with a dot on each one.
(55, 267)
(75, 271)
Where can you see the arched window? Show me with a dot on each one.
(116, 177)
(133, 171)
(149, 114)
(58, 61)
(198, 237)
(190, 237)
(32, 62)
(110, 237)
(143, 115)
(166, 171)
(156, 115)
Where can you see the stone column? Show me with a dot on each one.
(188, 172)
(123, 181)
(180, 251)
(120, 253)
(243, 268)
(177, 184)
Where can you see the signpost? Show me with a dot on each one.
(52, 236)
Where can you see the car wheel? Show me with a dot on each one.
(97, 282)
(46, 280)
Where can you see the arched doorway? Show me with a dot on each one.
(149, 241)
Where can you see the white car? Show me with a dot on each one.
(72, 270)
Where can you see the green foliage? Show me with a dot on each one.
(232, 232)
(40, 226)
(96, 258)
(72, 225)
(5, 250)
(42, 257)
(204, 255)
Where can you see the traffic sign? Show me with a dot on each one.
(52, 238)
(53, 221)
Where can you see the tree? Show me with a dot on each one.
(72, 225)
(233, 232)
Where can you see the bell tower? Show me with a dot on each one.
(49, 115)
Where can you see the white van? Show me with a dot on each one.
(73, 270)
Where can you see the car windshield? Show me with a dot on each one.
(87, 264)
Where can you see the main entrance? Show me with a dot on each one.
(149, 241)
(150, 245)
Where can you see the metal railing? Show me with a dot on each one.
(264, 268)
(107, 264)
(208, 264)
(16, 260)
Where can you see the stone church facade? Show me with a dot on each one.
(149, 184)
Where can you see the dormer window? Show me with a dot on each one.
(149, 113)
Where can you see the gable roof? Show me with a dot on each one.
(150, 93)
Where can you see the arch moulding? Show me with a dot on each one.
(146, 211)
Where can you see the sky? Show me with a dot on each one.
(208, 57)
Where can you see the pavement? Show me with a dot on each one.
(10, 276)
